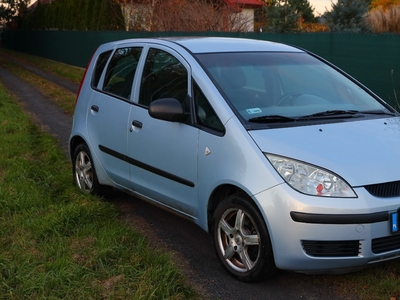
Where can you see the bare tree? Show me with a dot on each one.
(184, 15)
(138, 14)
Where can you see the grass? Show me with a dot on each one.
(72, 73)
(62, 97)
(57, 243)
(380, 282)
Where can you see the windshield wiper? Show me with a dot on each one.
(346, 113)
(379, 112)
(272, 119)
(323, 114)
(330, 113)
(282, 119)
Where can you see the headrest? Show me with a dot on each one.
(233, 77)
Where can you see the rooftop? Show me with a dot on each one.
(246, 3)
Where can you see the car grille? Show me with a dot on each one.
(332, 248)
(388, 189)
(385, 244)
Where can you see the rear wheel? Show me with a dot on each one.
(84, 172)
(242, 241)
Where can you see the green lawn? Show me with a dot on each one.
(57, 243)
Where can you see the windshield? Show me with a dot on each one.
(275, 87)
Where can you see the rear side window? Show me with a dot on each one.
(121, 72)
(98, 70)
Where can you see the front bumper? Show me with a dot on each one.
(310, 233)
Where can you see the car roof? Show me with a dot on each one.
(199, 44)
(225, 44)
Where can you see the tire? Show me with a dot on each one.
(242, 241)
(84, 172)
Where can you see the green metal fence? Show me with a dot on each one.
(373, 59)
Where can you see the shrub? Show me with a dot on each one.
(385, 20)
(348, 16)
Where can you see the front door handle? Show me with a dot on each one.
(137, 124)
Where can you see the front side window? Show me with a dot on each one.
(164, 76)
(276, 87)
(121, 71)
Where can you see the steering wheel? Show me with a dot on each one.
(287, 100)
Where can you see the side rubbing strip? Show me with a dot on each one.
(146, 166)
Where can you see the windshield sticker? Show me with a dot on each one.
(252, 111)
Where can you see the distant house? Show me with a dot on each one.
(245, 9)
(35, 4)
(138, 14)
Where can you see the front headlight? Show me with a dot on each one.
(309, 179)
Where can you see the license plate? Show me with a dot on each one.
(394, 222)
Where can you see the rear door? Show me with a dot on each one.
(109, 113)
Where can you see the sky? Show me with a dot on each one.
(320, 6)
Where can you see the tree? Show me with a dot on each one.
(288, 15)
(281, 16)
(76, 15)
(110, 16)
(13, 10)
(139, 15)
(349, 16)
(183, 15)
(304, 8)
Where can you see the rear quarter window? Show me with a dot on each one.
(98, 69)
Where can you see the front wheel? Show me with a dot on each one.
(242, 241)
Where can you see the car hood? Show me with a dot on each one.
(361, 152)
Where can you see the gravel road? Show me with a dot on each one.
(191, 246)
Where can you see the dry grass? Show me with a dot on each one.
(60, 96)
(385, 20)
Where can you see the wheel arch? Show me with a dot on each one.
(73, 143)
(77, 140)
(241, 197)
(220, 193)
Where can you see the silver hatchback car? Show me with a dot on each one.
(287, 161)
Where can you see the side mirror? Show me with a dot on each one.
(167, 109)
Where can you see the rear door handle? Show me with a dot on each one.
(95, 108)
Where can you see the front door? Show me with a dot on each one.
(164, 154)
